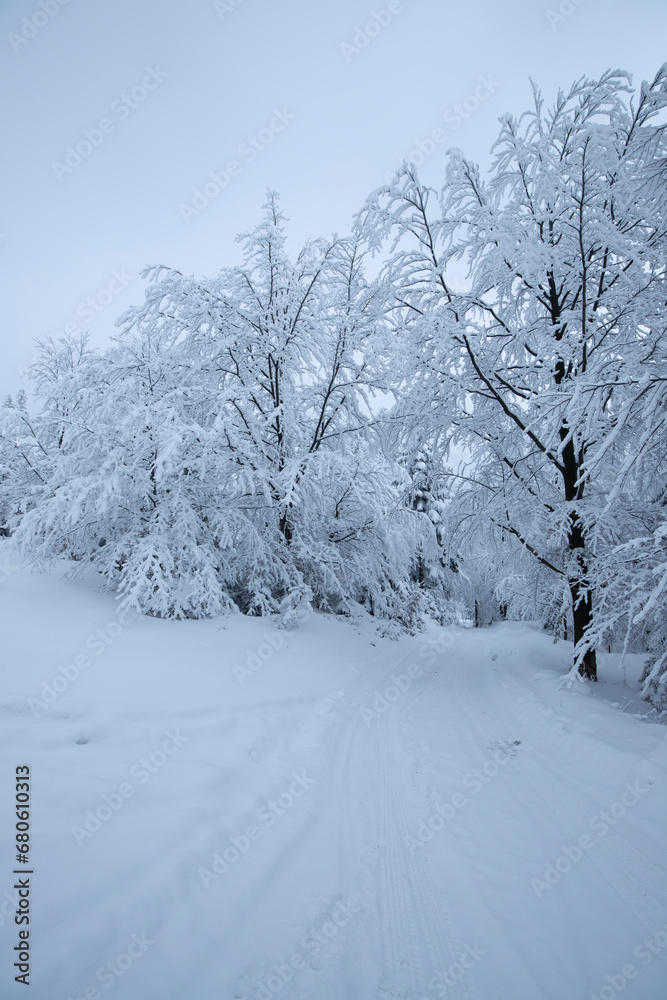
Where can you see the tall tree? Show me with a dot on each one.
(519, 361)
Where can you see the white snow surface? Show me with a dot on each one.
(343, 891)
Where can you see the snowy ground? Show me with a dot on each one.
(312, 829)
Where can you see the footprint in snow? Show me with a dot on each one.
(80, 736)
(508, 748)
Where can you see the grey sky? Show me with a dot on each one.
(219, 76)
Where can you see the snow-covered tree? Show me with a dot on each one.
(23, 462)
(220, 454)
(632, 571)
(527, 360)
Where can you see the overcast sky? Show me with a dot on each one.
(262, 93)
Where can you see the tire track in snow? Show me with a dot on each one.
(429, 935)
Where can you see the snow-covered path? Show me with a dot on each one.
(354, 819)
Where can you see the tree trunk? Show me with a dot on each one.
(582, 613)
(286, 528)
(582, 600)
(573, 459)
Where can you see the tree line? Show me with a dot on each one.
(475, 433)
